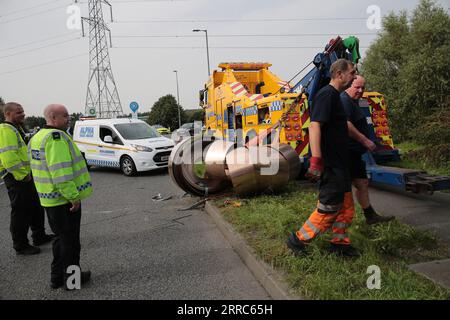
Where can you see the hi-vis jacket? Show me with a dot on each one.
(13, 153)
(59, 169)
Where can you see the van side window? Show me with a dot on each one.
(105, 131)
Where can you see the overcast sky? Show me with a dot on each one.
(42, 61)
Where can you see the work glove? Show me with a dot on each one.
(315, 169)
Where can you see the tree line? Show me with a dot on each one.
(163, 112)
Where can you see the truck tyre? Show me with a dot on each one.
(127, 166)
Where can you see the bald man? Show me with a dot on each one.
(358, 144)
(62, 181)
(26, 211)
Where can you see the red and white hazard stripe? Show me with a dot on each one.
(254, 97)
(285, 85)
(238, 89)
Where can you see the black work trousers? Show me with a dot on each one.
(26, 211)
(66, 246)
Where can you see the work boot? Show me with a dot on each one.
(373, 218)
(43, 239)
(345, 250)
(296, 245)
(28, 250)
(85, 277)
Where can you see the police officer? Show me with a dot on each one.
(62, 181)
(328, 163)
(358, 144)
(26, 210)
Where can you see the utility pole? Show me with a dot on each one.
(178, 100)
(102, 97)
(207, 47)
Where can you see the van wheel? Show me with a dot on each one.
(127, 166)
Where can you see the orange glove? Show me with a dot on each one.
(315, 169)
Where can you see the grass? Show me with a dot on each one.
(415, 156)
(266, 221)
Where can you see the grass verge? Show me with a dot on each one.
(434, 160)
(266, 221)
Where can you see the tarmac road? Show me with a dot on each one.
(136, 248)
(427, 212)
(141, 249)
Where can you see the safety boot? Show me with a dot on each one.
(43, 239)
(85, 277)
(374, 218)
(345, 250)
(297, 246)
(28, 250)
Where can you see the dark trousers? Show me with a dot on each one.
(66, 246)
(26, 211)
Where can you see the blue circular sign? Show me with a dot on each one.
(134, 106)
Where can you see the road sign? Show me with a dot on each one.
(134, 106)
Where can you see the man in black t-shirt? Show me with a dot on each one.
(358, 144)
(328, 163)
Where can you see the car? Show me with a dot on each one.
(161, 129)
(130, 145)
(187, 129)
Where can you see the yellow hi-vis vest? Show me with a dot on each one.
(59, 169)
(13, 153)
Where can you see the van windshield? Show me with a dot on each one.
(135, 131)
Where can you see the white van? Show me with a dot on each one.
(129, 144)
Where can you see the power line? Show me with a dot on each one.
(215, 47)
(43, 64)
(245, 35)
(29, 8)
(34, 49)
(37, 41)
(34, 14)
(241, 20)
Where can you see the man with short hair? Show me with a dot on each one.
(26, 211)
(358, 144)
(328, 163)
(62, 181)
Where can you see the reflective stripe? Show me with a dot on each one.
(9, 148)
(84, 186)
(60, 165)
(305, 234)
(313, 227)
(63, 178)
(340, 225)
(340, 236)
(38, 166)
(52, 195)
(19, 137)
(329, 207)
(79, 172)
(56, 194)
(19, 165)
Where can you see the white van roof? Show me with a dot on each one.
(107, 121)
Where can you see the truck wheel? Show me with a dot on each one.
(127, 166)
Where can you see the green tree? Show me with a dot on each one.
(165, 112)
(33, 121)
(408, 63)
(194, 115)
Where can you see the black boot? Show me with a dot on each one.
(345, 250)
(297, 246)
(85, 277)
(28, 250)
(45, 238)
(372, 217)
